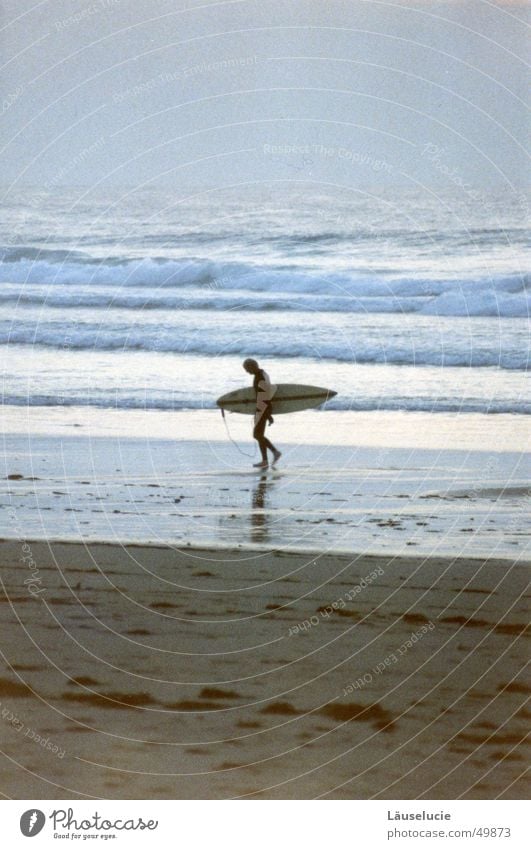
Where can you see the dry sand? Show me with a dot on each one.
(149, 672)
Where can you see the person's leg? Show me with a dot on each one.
(262, 444)
(258, 434)
(276, 453)
(265, 443)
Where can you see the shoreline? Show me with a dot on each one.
(337, 553)
(498, 432)
(388, 498)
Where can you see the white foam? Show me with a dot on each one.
(196, 283)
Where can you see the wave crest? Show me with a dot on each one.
(72, 279)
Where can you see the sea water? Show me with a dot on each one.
(150, 299)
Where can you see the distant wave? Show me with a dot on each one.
(486, 303)
(236, 300)
(75, 279)
(211, 341)
(439, 405)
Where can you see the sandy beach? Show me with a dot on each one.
(338, 192)
(158, 673)
(349, 625)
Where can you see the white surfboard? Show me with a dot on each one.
(289, 398)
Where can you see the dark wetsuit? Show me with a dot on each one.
(264, 391)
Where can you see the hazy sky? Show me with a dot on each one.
(355, 92)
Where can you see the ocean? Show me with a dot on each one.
(150, 299)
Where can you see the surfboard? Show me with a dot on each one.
(289, 398)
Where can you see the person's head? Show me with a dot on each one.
(250, 365)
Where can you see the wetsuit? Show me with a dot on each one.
(265, 391)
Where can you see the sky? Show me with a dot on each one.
(351, 92)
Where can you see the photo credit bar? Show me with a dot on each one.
(378, 823)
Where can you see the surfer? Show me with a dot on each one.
(264, 391)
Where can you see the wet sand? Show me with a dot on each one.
(393, 485)
(152, 672)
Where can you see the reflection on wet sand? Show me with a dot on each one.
(259, 516)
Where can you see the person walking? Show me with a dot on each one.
(264, 391)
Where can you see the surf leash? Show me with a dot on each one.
(245, 453)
